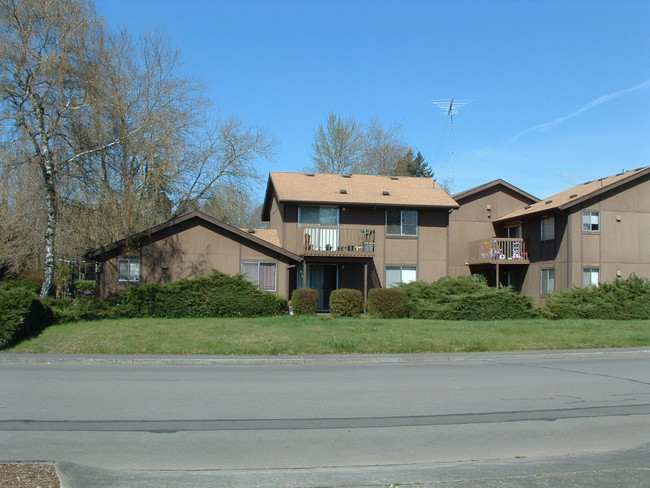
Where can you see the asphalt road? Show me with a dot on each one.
(351, 420)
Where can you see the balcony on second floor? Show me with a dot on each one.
(341, 241)
(498, 250)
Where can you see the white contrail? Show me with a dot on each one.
(595, 103)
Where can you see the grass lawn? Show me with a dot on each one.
(290, 335)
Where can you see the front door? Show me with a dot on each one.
(324, 278)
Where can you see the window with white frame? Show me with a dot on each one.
(400, 274)
(591, 221)
(547, 230)
(311, 215)
(264, 274)
(590, 276)
(128, 270)
(402, 222)
(548, 281)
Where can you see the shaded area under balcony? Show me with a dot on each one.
(337, 241)
(498, 250)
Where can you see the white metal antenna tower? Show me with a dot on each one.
(450, 107)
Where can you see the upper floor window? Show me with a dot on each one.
(548, 228)
(128, 270)
(514, 232)
(591, 221)
(590, 276)
(318, 216)
(402, 222)
(265, 274)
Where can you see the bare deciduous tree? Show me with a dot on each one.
(46, 73)
(121, 139)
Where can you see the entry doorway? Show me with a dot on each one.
(324, 278)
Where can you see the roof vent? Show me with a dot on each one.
(548, 201)
(310, 174)
(385, 192)
(347, 175)
(527, 206)
(251, 231)
(343, 191)
(394, 178)
(573, 195)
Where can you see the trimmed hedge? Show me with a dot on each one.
(466, 298)
(621, 300)
(388, 303)
(346, 302)
(22, 314)
(217, 295)
(304, 301)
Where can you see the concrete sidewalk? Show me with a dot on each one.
(622, 469)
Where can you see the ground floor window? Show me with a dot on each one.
(128, 270)
(548, 281)
(397, 274)
(590, 276)
(264, 274)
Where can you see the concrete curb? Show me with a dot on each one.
(145, 360)
(627, 468)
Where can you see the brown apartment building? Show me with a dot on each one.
(361, 231)
(591, 233)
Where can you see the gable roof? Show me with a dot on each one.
(267, 242)
(356, 189)
(577, 194)
(493, 184)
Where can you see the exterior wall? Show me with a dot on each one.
(190, 251)
(428, 251)
(473, 221)
(621, 246)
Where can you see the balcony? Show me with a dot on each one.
(498, 250)
(337, 241)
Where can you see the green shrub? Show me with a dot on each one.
(86, 287)
(346, 302)
(388, 303)
(27, 284)
(216, 295)
(466, 298)
(80, 308)
(22, 314)
(304, 301)
(621, 300)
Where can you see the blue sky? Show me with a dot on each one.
(560, 90)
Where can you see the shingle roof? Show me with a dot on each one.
(491, 184)
(268, 235)
(356, 189)
(577, 194)
(264, 238)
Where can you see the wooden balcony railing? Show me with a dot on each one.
(498, 250)
(318, 240)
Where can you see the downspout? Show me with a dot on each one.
(569, 253)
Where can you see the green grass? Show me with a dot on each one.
(290, 335)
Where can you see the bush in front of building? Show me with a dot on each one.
(304, 301)
(346, 302)
(216, 295)
(466, 298)
(388, 303)
(623, 299)
(22, 314)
